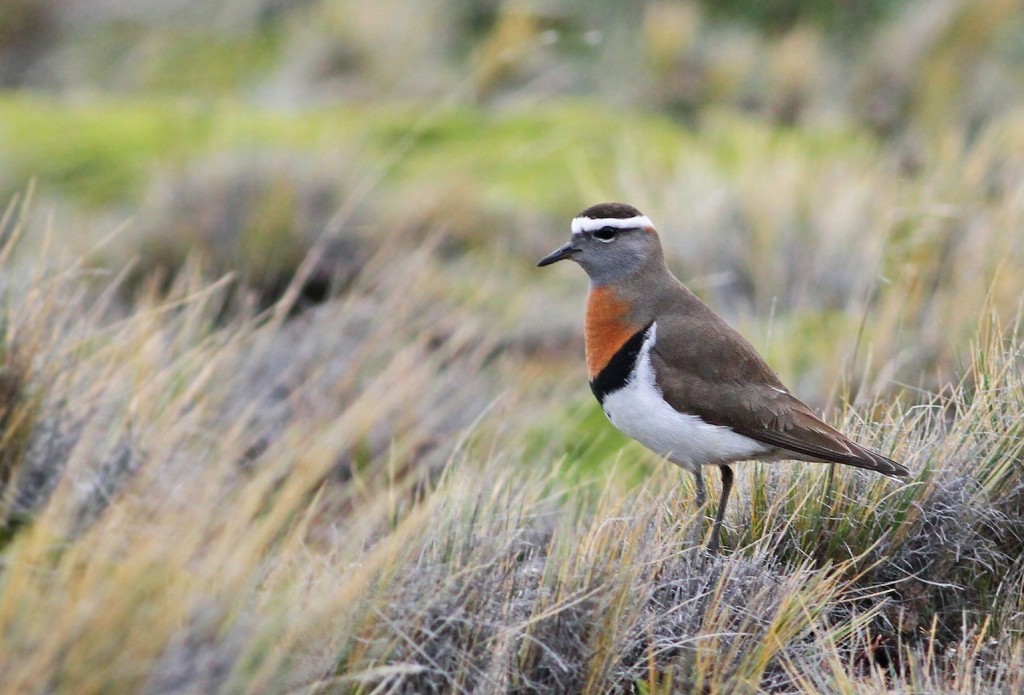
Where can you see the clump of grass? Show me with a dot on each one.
(839, 577)
(258, 216)
(330, 502)
(556, 603)
(17, 420)
(171, 417)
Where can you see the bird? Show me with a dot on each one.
(673, 375)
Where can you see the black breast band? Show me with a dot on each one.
(616, 373)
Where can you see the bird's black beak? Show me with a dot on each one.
(559, 254)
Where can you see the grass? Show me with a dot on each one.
(870, 275)
(523, 154)
(210, 501)
(311, 421)
(205, 491)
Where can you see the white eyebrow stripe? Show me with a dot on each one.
(590, 224)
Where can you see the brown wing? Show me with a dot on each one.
(706, 368)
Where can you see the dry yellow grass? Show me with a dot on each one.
(215, 501)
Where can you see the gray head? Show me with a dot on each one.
(610, 241)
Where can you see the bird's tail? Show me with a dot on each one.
(865, 458)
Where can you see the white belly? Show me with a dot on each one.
(639, 411)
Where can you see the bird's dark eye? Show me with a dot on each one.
(606, 233)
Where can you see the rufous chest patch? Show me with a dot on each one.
(605, 328)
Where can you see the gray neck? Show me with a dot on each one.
(636, 274)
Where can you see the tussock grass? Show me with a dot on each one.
(329, 503)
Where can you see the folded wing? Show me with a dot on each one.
(706, 368)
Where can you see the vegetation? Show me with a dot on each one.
(285, 406)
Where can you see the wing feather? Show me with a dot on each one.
(706, 368)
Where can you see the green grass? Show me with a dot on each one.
(101, 152)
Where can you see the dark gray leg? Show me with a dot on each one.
(702, 499)
(717, 528)
(702, 495)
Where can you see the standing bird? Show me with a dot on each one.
(673, 375)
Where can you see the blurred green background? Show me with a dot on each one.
(840, 179)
